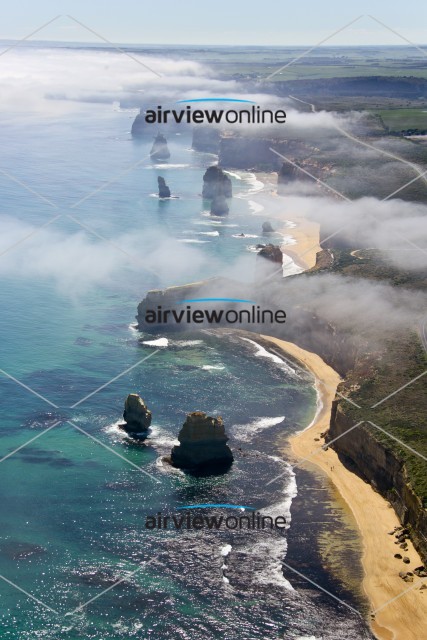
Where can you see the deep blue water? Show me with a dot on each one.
(73, 513)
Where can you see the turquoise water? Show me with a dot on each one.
(73, 512)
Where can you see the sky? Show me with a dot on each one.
(266, 22)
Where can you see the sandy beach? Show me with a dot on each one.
(305, 233)
(306, 236)
(405, 618)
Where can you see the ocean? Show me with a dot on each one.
(74, 514)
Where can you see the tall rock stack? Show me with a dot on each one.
(217, 187)
(164, 191)
(203, 444)
(160, 150)
(136, 415)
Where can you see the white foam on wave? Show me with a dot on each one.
(255, 184)
(160, 342)
(273, 553)
(212, 221)
(287, 240)
(283, 508)
(192, 241)
(255, 207)
(233, 175)
(245, 235)
(226, 550)
(245, 432)
(253, 249)
(185, 343)
(166, 165)
(159, 436)
(274, 550)
(115, 431)
(208, 233)
(263, 353)
(290, 268)
(207, 222)
(133, 327)
(209, 367)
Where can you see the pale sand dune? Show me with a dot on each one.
(405, 618)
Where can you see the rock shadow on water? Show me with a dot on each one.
(44, 419)
(17, 550)
(32, 455)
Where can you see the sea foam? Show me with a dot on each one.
(263, 353)
(160, 342)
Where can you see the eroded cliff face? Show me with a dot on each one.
(380, 466)
(255, 153)
(206, 139)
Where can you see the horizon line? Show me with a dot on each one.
(28, 43)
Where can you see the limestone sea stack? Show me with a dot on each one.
(219, 206)
(267, 228)
(216, 183)
(160, 150)
(136, 415)
(164, 191)
(138, 125)
(203, 444)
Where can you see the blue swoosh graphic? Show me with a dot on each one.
(216, 100)
(215, 300)
(224, 506)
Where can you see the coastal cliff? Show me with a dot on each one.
(206, 139)
(254, 152)
(379, 465)
(370, 373)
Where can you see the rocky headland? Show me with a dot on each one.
(270, 252)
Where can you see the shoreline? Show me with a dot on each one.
(306, 234)
(375, 517)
